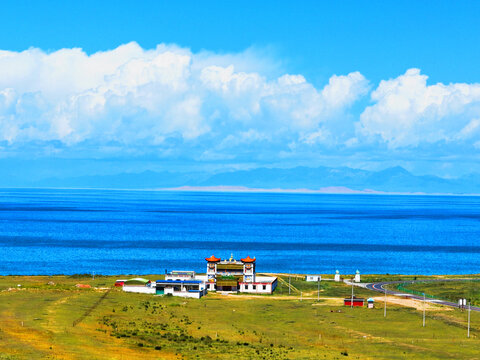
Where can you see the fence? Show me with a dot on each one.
(414, 292)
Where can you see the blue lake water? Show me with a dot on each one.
(144, 232)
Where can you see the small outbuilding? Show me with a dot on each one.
(370, 303)
(120, 282)
(356, 301)
(313, 278)
(262, 285)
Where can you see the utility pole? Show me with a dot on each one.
(288, 285)
(385, 304)
(301, 295)
(423, 309)
(318, 290)
(351, 302)
(468, 328)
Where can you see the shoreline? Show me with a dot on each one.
(329, 190)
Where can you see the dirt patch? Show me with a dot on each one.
(413, 303)
(32, 338)
(323, 300)
(330, 301)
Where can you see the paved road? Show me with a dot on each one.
(380, 287)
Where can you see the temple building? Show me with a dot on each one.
(232, 275)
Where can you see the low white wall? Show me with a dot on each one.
(248, 288)
(262, 281)
(188, 294)
(139, 289)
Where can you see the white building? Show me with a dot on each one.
(237, 276)
(262, 285)
(184, 288)
(314, 278)
(139, 285)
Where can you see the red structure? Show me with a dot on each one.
(248, 259)
(213, 259)
(356, 301)
(119, 283)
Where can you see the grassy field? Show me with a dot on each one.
(36, 322)
(299, 287)
(450, 290)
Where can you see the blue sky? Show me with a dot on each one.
(222, 84)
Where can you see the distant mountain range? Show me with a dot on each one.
(395, 179)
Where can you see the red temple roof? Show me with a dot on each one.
(248, 259)
(212, 259)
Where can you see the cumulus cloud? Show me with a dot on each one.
(407, 112)
(143, 97)
(171, 101)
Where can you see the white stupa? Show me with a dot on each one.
(337, 276)
(357, 276)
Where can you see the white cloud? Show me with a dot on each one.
(408, 112)
(345, 89)
(140, 97)
(470, 130)
(218, 107)
(316, 137)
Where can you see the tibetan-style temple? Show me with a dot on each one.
(232, 275)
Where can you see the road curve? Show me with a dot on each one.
(380, 287)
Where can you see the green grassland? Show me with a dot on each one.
(300, 287)
(36, 322)
(450, 290)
